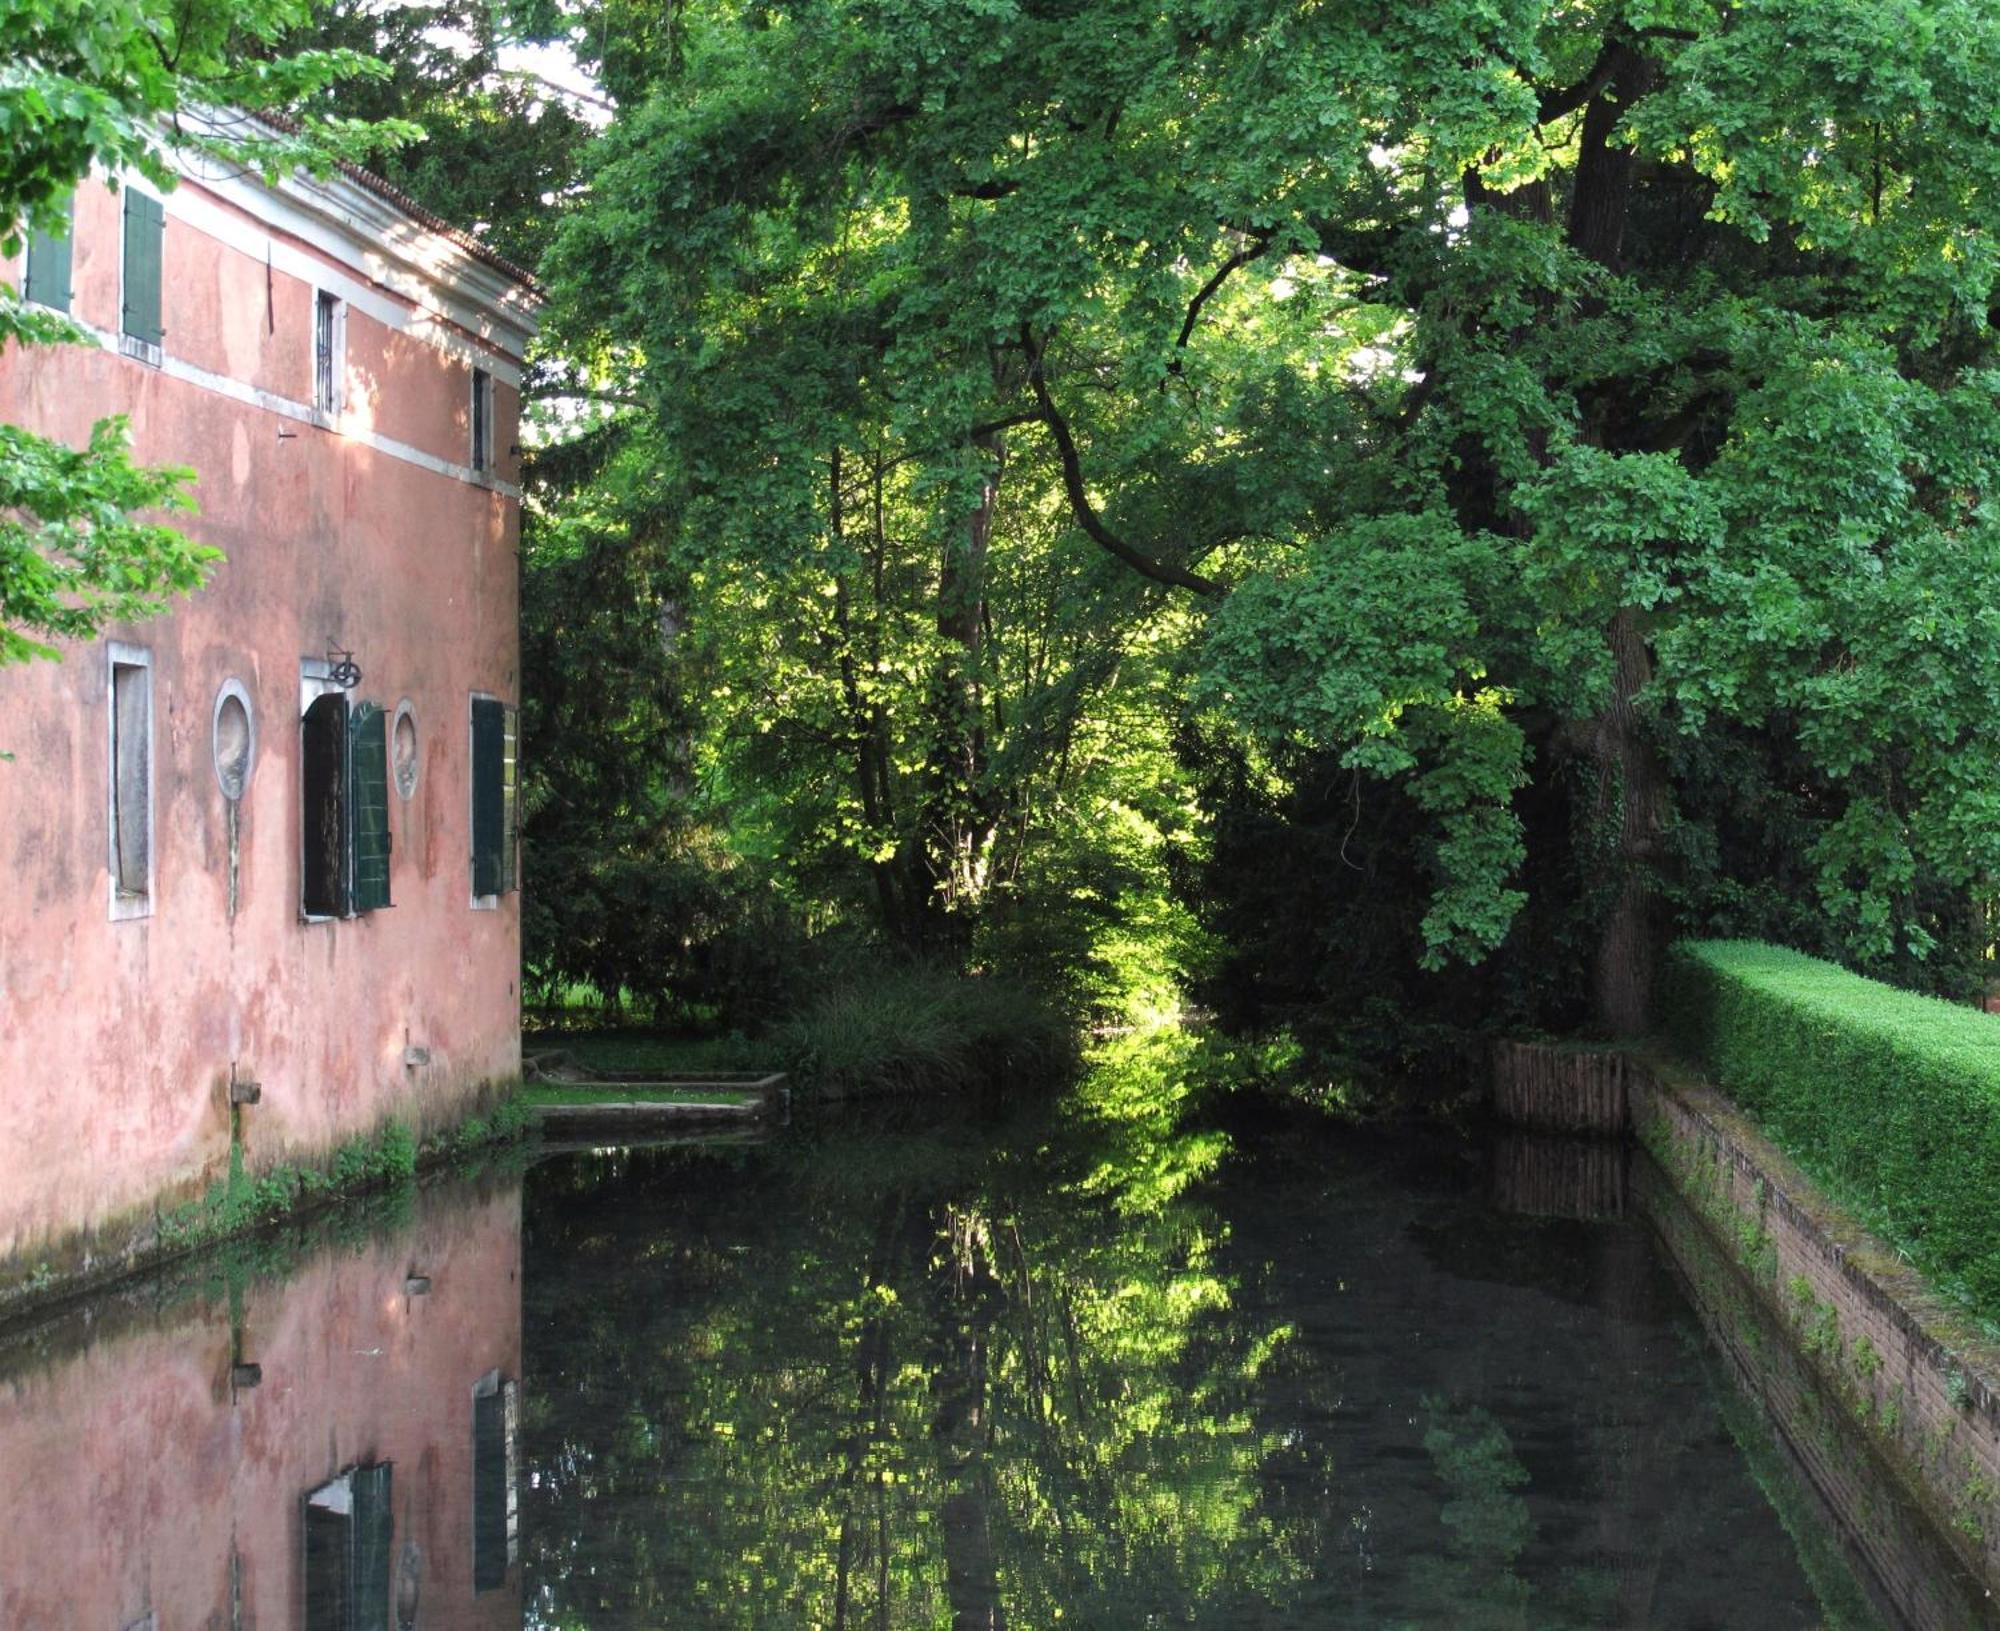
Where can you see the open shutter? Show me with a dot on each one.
(489, 1490)
(374, 1531)
(489, 746)
(368, 799)
(510, 799)
(145, 225)
(47, 280)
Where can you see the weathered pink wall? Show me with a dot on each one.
(117, 1037)
(135, 1472)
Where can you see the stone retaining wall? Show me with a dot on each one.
(1916, 1379)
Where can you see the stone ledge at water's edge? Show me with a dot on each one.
(235, 1198)
(1913, 1374)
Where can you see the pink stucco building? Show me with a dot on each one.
(229, 859)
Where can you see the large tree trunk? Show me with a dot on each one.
(1632, 793)
(958, 822)
(1632, 790)
(864, 716)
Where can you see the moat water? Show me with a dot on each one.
(1114, 1360)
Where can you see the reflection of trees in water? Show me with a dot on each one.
(1027, 1376)
(893, 1381)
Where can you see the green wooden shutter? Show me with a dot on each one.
(368, 800)
(489, 1490)
(47, 280)
(510, 798)
(489, 751)
(374, 1531)
(145, 225)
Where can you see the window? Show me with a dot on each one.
(47, 280)
(495, 728)
(482, 419)
(131, 802)
(495, 1518)
(233, 739)
(329, 340)
(145, 228)
(344, 794)
(323, 758)
(350, 1528)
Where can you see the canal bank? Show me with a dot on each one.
(1857, 1357)
(243, 1202)
(1912, 1375)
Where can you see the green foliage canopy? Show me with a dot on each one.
(1501, 397)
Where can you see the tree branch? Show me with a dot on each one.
(1242, 258)
(1554, 104)
(1079, 500)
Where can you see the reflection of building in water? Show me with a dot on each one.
(338, 1454)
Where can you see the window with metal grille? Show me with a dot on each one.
(329, 321)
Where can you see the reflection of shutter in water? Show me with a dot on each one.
(323, 754)
(349, 1532)
(374, 1529)
(489, 1488)
(369, 802)
(329, 1560)
(489, 730)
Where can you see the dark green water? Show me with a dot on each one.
(1115, 1366)
(1111, 1362)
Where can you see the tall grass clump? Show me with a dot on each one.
(920, 1028)
(1890, 1099)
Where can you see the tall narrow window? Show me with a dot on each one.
(145, 228)
(482, 419)
(131, 851)
(47, 280)
(329, 319)
(323, 785)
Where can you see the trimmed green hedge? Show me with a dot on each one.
(1890, 1099)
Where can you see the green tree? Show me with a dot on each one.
(1521, 394)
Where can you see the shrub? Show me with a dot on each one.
(902, 1029)
(1889, 1098)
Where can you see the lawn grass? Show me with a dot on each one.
(641, 1050)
